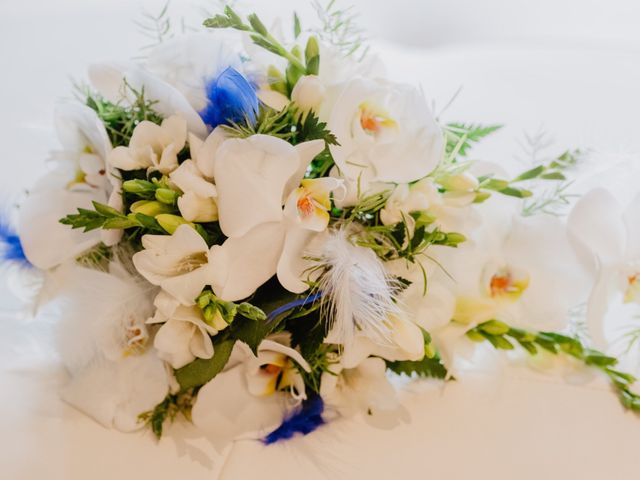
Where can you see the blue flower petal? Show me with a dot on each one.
(231, 99)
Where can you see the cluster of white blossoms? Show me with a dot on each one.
(271, 229)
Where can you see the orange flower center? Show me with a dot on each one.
(271, 369)
(305, 205)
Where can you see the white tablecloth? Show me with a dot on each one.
(519, 424)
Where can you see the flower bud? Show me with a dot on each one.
(166, 195)
(198, 209)
(461, 182)
(151, 208)
(170, 223)
(308, 93)
(138, 186)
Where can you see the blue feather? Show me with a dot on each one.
(231, 99)
(291, 305)
(10, 246)
(305, 420)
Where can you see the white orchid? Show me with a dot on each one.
(181, 264)
(376, 124)
(264, 389)
(255, 177)
(608, 238)
(184, 334)
(529, 277)
(153, 147)
(79, 177)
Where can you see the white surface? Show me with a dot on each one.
(521, 425)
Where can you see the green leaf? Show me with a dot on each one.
(425, 368)
(257, 25)
(460, 136)
(530, 174)
(219, 21)
(201, 370)
(554, 176)
(297, 29)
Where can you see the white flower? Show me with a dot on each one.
(152, 147)
(608, 237)
(181, 264)
(253, 400)
(385, 131)
(184, 334)
(529, 277)
(80, 177)
(116, 82)
(308, 93)
(363, 388)
(255, 177)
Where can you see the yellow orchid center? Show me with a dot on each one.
(633, 289)
(305, 205)
(508, 284)
(374, 119)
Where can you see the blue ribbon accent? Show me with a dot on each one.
(291, 305)
(305, 420)
(10, 246)
(231, 99)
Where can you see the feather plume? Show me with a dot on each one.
(304, 420)
(359, 292)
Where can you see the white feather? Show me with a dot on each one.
(360, 293)
(98, 313)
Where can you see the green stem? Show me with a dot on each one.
(504, 337)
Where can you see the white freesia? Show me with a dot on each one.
(261, 390)
(104, 345)
(608, 238)
(181, 264)
(152, 146)
(362, 389)
(377, 123)
(79, 177)
(255, 177)
(184, 334)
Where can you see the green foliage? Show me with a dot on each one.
(504, 337)
(460, 137)
(97, 258)
(425, 368)
(201, 370)
(108, 218)
(261, 36)
(168, 409)
(119, 119)
(211, 306)
(338, 27)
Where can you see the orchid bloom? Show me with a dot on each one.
(377, 123)
(531, 277)
(80, 176)
(255, 177)
(153, 147)
(184, 334)
(265, 388)
(181, 264)
(608, 238)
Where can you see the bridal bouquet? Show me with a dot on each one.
(256, 231)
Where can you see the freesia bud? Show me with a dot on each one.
(166, 195)
(198, 209)
(150, 208)
(308, 93)
(461, 182)
(170, 223)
